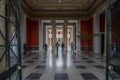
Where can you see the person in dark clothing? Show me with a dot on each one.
(72, 47)
(25, 49)
(114, 51)
(62, 45)
(57, 46)
(45, 47)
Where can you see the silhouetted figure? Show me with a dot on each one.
(114, 51)
(45, 47)
(72, 47)
(57, 46)
(25, 49)
(62, 45)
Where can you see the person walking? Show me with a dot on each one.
(45, 47)
(62, 45)
(72, 47)
(25, 48)
(57, 46)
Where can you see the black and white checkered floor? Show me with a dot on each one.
(67, 66)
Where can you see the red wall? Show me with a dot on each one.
(102, 23)
(32, 32)
(87, 27)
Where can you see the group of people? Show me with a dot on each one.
(57, 45)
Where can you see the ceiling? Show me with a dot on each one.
(61, 8)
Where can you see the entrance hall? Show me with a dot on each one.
(59, 39)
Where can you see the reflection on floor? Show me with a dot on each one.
(67, 66)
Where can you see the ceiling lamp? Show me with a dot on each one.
(59, 1)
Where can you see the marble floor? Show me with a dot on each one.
(64, 66)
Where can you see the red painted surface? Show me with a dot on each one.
(115, 26)
(32, 32)
(102, 23)
(87, 28)
(59, 33)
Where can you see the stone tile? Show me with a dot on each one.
(116, 76)
(97, 58)
(91, 61)
(43, 61)
(40, 67)
(24, 66)
(61, 67)
(35, 58)
(34, 76)
(29, 61)
(99, 66)
(22, 58)
(76, 61)
(61, 76)
(89, 76)
(85, 58)
(80, 66)
(103, 61)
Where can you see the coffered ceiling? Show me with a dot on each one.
(61, 8)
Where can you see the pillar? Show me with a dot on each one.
(97, 37)
(44, 34)
(47, 37)
(65, 33)
(105, 46)
(23, 32)
(40, 35)
(74, 36)
(78, 39)
(53, 34)
(2, 29)
(50, 37)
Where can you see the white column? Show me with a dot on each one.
(2, 29)
(65, 33)
(72, 34)
(44, 34)
(53, 34)
(105, 37)
(23, 32)
(78, 39)
(40, 35)
(97, 37)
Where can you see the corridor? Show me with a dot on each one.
(67, 66)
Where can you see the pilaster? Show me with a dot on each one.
(97, 36)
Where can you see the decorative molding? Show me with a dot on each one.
(36, 9)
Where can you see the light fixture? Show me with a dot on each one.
(59, 1)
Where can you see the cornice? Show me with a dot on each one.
(59, 14)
